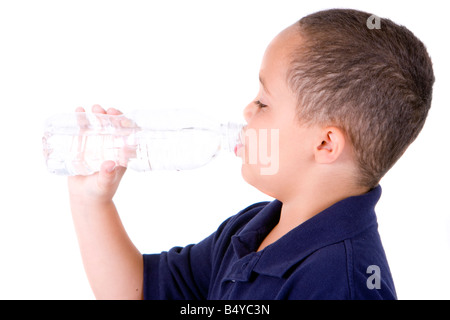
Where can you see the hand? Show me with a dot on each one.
(99, 187)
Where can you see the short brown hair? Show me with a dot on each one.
(375, 84)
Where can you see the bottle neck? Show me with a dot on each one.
(231, 135)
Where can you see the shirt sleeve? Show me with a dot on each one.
(180, 273)
(185, 273)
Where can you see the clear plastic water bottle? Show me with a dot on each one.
(77, 143)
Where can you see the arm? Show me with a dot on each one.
(113, 265)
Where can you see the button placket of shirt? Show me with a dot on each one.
(242, 268)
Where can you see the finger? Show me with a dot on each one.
(116, 118)
(127, 122)
(107, 166)
(115, 121)
(109, 174)
(80, 140)
(127, 153)
(106, 174)
(124, 126)
(113, 111)
(120, 171)
(82, 120)
(96, 108)
(103, 121)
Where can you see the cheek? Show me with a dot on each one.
(273, 160)
(262, 150)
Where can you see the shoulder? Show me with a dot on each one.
(371, 274)
(321, 275)
(341, 271)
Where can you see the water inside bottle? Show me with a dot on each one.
(77, 144)
(184, 149)
(67, 154)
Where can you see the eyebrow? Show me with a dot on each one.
(261, 80)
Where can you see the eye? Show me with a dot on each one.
(260, 105)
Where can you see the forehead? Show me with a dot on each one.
(277, 55)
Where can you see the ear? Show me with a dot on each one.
(330, 145)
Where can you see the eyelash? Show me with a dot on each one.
(260, 105)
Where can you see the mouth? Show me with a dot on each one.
(237, 149)
(240, 142)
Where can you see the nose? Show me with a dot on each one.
(248, 112)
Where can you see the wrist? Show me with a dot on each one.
(89, 203)
(86, 191)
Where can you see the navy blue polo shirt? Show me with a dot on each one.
(337, 254)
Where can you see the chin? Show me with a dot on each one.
(264, 183)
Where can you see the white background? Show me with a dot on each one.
(57, 55)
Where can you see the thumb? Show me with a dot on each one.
(109, 175)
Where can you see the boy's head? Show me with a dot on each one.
(339, 93)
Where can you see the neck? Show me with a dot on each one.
(306, 203)
(312, 201)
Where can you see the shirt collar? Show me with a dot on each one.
(341, 221)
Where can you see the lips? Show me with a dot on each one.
(237, 147)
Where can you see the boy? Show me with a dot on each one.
(345, 100)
